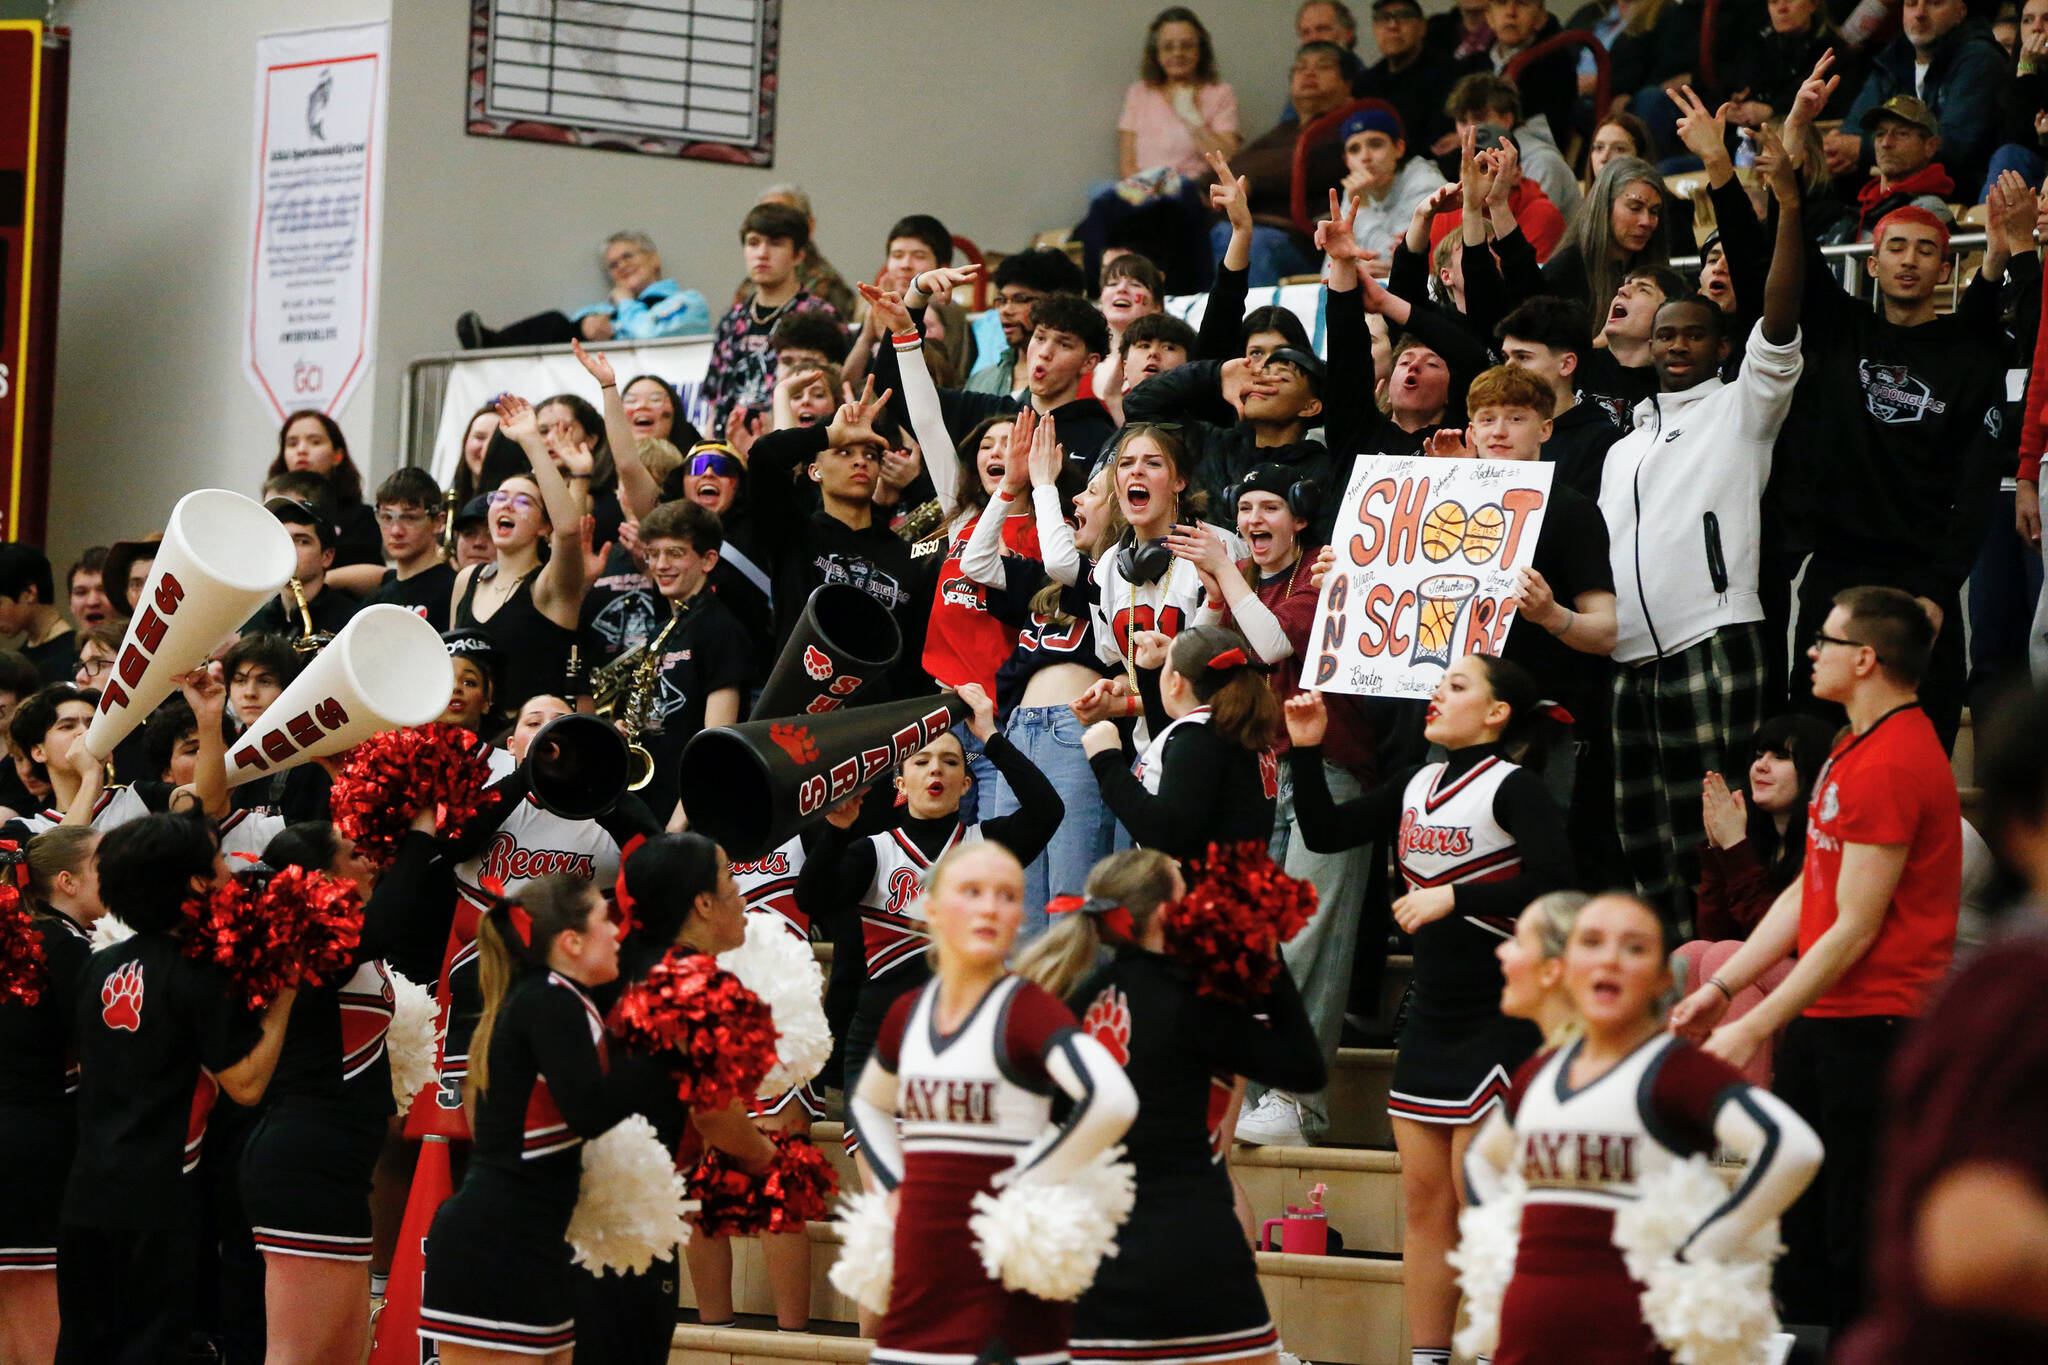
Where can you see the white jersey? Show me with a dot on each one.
(1152, 764)
(367, 1004)
(1122, 607)
(116, 807)
(1591, 1147)
(250, 831)
(1449, 835)
(958, 1096)
(768, 885)
(533, 843)
(892, 920)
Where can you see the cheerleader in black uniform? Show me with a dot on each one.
(1210, 776)
(1586, 1123)
(499, 1282)
(968, 1067)
(1479, 837)
(307, 1163)
(1183, 1286)
(884, 874)
(38, 1112)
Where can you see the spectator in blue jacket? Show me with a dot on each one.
(643, 305)
(1953, 64)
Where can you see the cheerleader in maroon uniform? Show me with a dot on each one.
(968, 1067)
(1479, 837)
(499, 1282)
(1183, 1286)
(40, 966)
(1587, 1123)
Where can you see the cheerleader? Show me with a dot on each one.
(499, 1282)
(884, 874)
(1478, 838)
(1532, 965)
(38, 1084)
(1183, 1284)
(1209, 776)
(306, 1165)
(156, 1036)
(1587, 1123)
(968, 1067)
(469, 701)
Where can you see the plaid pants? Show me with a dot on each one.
(1675, 720)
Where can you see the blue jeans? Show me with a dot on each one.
(980, 768)
(1051, 738)
(1275, 254)
(2012, 157)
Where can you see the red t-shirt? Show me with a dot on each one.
(964, 641)
(1889, 785)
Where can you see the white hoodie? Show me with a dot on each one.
(1700, 453)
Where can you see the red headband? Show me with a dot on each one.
(1113, 917)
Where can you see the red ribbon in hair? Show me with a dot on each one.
(15, 858)
(622, 899)
(1230, 658)
(1112, 917)
(522, 923)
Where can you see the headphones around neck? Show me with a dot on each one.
(1143, 561)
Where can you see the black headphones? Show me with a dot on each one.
(1304, 498)
(1143, 561)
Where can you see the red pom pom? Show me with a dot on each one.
(394, 776)
(22, 974)
(1239, 908)
(269, 932)
(796, 1188)
(716, 1036)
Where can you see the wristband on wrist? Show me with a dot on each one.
(1130, 706)
(903, 341)
(1718, 984)
(1005, 495)
(602, 387)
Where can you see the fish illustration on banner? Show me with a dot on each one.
(1427, 551)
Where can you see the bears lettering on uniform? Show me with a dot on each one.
(1555, 1159)
(121, 998)
(775, 864)
(1451, 841)
(948, 1101)
(505, 861)
(903, 888)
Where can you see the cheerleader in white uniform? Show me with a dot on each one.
(968, 1067)
(1586, 1123)
(1477, 838)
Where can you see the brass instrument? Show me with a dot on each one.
(312, 641)
(624, 691)
(449, 507)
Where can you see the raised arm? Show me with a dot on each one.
(558, 587)
(1787, 280)
(920, 395)
(1222, 321)
(637, 489)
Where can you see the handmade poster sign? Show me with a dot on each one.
(1426, 556)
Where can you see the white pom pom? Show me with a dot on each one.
(867, 1250)
(1045, 1238)
(1289, 1358)
(780, 968)
(108, 930)
(412, 1039)
(1488, 1237)
(630, 1206)
(1704, 1312)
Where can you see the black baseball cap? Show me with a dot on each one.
(1311, 367)
(292, 512)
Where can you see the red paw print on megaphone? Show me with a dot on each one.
(796, 741)
(817, 663)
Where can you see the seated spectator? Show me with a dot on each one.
(1318, 86)
(655, 410)
(1905, 142)
(914, 245)
(326, 610)
(1176, 113)
(1488, 101)
(86, 590)
(1328, 21)
(1020, 282)
(467, 481)
(1548, 88)
(97, 646)
(776, 238)
(1131, 289)
(1551, 338)
(1658, 50)
(312, 441)
(817, 276)
(410, 515)
(1620, 134)
(127, 571)
(1618, 229)
(643, 305)
(2024, 112)
(1949, 61)
(1458, 32)
(1409, 76)
(1765, 69)
(1385, 182)
(28, 608)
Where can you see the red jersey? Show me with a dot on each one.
(1889, 785)
(964, 642)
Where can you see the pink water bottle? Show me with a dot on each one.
(1303, 1232)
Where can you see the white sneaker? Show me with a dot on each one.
(1274, 1122)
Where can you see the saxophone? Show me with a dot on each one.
(624, 692)
(310, 642)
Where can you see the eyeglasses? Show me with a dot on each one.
(1016, 298)
(1821, 640)
(92, 668)
(401, 518)
(524, 502)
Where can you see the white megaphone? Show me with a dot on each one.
(387, 669)
(221, 555)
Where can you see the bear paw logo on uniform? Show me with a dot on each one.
(796, 741)
(1108, 1022)
(121, 998)
(817, 663)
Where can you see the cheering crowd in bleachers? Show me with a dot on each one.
(1792, 551)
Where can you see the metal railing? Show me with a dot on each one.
(1848, 259)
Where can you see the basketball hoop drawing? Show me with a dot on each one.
(1440, 601)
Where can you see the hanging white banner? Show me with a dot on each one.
(318, 192)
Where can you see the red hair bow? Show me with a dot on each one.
(522, 923)
(622, 899)
(14, 857)
(1230, 658)
(1112, 917)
